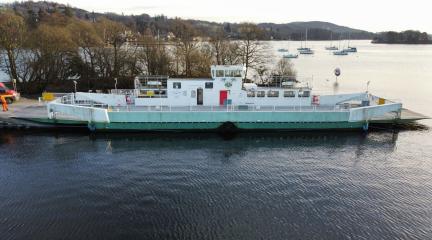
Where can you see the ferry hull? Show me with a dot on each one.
(228, 126)
(225, 121)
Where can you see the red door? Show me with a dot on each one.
(223, 95)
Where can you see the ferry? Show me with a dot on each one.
(222, 102)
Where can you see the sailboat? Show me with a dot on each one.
(290, 55)
(331, 47)
(301, 45)
(350, 49)
(340, 52)
(305, 50)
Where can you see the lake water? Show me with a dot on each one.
(256, 186)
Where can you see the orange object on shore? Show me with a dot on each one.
(4, 104)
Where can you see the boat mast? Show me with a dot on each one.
(331, 39)
(349, 39)
(306, 38)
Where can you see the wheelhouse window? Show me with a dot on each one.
(209, 85)
(233, 73)
(260, 94)
(304, 94)
(220, 73)
(273, 93)
(177, 85)
(251, 94)
(289, 94)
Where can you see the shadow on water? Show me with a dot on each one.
(234, 142)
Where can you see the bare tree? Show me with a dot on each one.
(284, 67)
(220, 46)
(46, 59)
(252, 52)
(153, 55)
(186, 45)
(114, 34)
(85, 36)
(12, 32)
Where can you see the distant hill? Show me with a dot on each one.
(161, 25)
(316, 31)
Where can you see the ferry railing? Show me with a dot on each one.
(71, 100)
(231, 108)
(130, 92)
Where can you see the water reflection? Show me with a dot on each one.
(240, 142)
(114, 186)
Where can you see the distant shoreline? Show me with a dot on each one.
(401, 43)
(405, 37)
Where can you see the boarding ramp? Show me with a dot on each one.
(89, 113)
(368, 113)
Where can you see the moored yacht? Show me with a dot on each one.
(306, 51)
(331, 47)
(350, 49)
(290, 55)
(340, 53)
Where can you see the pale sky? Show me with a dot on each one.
(370, 15)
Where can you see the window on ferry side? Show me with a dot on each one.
(304, 94)
(289, 94)
(260, 93)
(250, 94)
(220, 73)
(209, 85)
(273, 93)
(177, 85)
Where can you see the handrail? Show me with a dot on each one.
(229, 108)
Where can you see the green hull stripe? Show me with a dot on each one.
(221, 117)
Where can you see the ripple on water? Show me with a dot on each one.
(252, 187)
